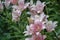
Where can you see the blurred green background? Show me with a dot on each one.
(14, 30)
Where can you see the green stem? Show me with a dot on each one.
(56, 35)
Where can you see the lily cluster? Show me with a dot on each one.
(37, 21)
(17, 7)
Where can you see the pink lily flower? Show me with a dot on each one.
(37, 36)
(33, 28)
(16, 14)
(14, 1)
(28, 31)
(22, 5)
(42, 18)
(1, 6)
(38, 25)
(50, 26)
(7, 3)
(38, 8)
(18, 9)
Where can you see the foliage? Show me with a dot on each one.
(14, 31)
